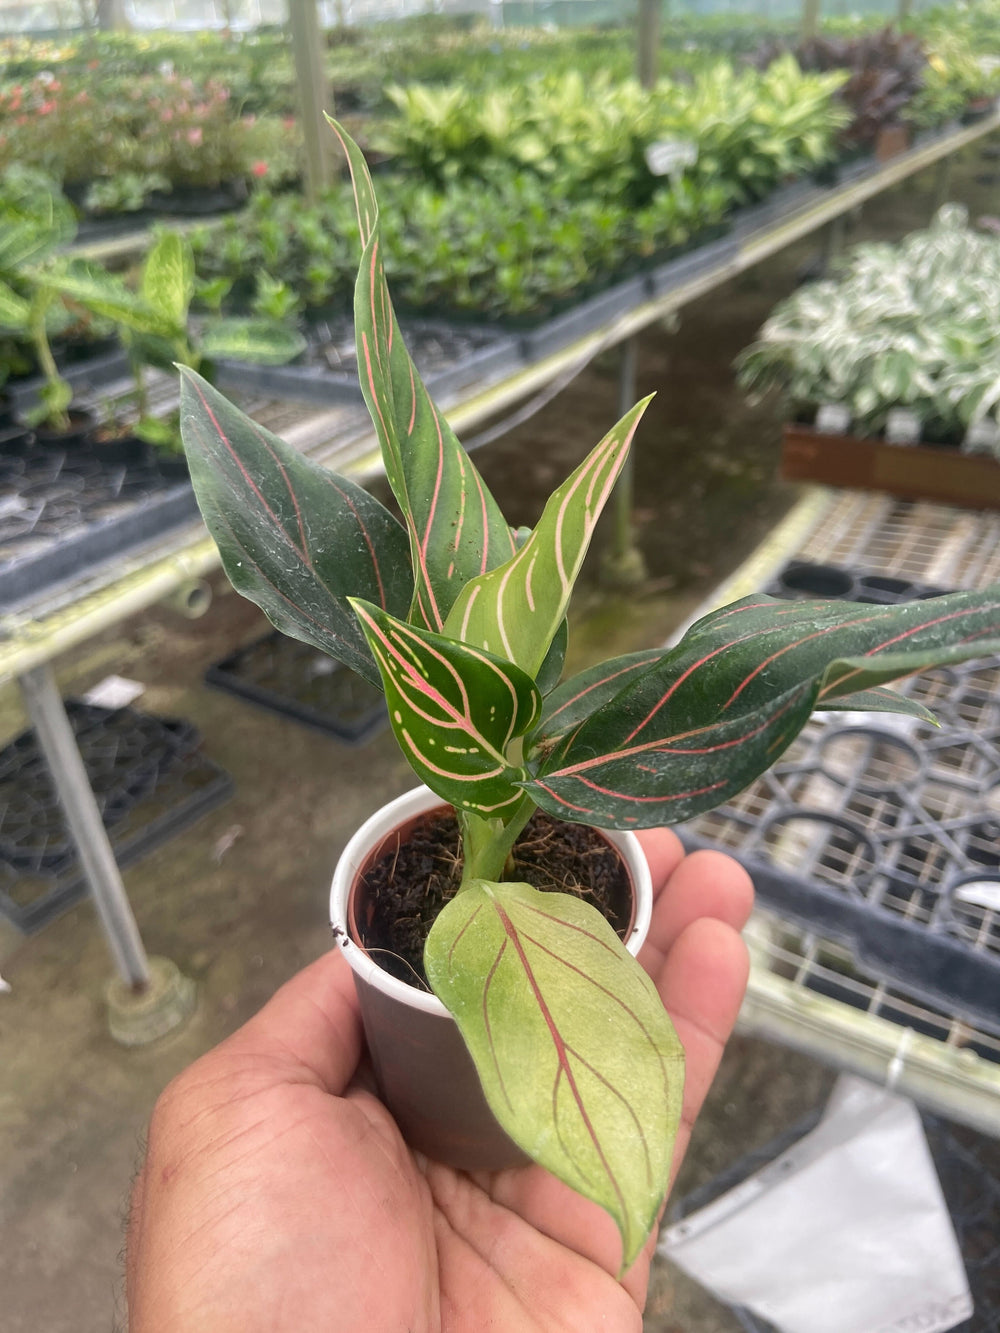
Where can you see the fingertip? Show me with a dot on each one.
(725, 882)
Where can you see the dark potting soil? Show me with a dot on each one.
(402, 893)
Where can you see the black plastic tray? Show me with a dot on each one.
(872, 829)
(150, 781)
(297, 681)
(87, 378)
(476, 353)
(968, 1167)
(64, 509)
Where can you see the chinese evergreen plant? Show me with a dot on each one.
(463, 624)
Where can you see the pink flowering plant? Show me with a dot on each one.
(463, 624)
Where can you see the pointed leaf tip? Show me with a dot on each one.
(578, 1058)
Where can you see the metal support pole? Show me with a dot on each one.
(623, 566)
(648, 50)
(810, 18)
(314, 94)
(58, 744)
(942, 183)
(904, 10)
(833, 240)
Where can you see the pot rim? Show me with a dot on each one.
(408, 806)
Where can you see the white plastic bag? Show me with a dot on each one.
(846, 1232)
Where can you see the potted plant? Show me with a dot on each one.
(905, 344)
(462, 621)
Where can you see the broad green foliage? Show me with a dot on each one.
(915, 324)
(535, 982)
(576, 1057)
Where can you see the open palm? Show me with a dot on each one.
(278, 1194)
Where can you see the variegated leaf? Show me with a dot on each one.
(455, 711)
(515, 609)
(294, 538)
(456, 528)
(168, 278)
(576, 1055)
(720, 707)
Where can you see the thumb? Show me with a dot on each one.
(309, 1031)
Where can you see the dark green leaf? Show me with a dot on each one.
(294, 538)
(720, 707)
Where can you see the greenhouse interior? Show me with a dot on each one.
(500, 640)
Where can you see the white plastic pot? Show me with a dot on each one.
(425, 1074)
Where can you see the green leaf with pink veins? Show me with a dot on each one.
(515, 610)
(456, 712)
(576, 1055)
(456, 528)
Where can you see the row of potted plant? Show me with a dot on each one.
(901, 350)
(45, 291)
(894, 80)
(138, 142)
(508, 206)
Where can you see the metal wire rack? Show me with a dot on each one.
(928, 806)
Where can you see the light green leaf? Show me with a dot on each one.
(103, 294)
(256, 340)
(168, 278)
(577, 1057)
(455, 711)
(15, 312)
(515, 610)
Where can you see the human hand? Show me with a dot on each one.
(277, 1193)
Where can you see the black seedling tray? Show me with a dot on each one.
(64, 509)
(968, 1167)
(87, 378)
(150, 782)
(296, 680)
(882, 832)
(448, 357)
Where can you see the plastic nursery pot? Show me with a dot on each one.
(120, 448)
(81, 423)
(424, 1072)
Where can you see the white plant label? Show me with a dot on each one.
(670, 157)
(902, 426)
(114, 692)
(833, 419)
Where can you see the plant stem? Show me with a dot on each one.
(487, 843)
(60, 419)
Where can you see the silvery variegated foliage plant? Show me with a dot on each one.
(464, 627)
(912, 325)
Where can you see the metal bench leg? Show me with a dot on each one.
(58, 744)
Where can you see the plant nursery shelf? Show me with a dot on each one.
(912, 472)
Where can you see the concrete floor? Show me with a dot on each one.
(239, 902)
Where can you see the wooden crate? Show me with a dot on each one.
(913, 472)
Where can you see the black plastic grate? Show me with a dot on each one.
(968, 1167)
(291, 678)
(150, 781)
(63, 508)
(883, 833)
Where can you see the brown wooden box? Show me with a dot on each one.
(913, 472)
